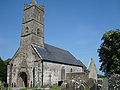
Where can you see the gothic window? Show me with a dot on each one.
(27, 29)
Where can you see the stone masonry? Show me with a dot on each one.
(35, 63)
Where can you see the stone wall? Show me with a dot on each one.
(81, 75)
(52, 72)
(92, 70)
(24, 61)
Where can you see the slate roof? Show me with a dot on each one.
(84, 67)
(54, 54)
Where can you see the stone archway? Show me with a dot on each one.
(22, 80)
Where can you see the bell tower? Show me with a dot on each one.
(33, 25)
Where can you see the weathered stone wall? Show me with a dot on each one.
(52, 72)
(81, 75)
(24, 61)
(33, 24)
(92, 70)
(25, 58)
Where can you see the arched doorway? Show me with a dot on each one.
(22, 79)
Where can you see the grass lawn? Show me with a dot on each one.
(55, 87)
(28, 88)
(3, 88)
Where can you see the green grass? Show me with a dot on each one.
(55, 87)
(86, 89)
(3, 88)
(43, 86)
(23, 89)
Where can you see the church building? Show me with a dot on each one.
(37, 63)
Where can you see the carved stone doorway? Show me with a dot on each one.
(22, 80)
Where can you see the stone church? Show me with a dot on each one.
(36, 63)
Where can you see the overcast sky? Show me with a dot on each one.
(74, 25)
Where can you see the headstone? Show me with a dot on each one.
(0, 83)
(73, 85)
(63, 86)
(105, 84)
(81, 87)
(94, 87)
(114, 82)
(90, 82)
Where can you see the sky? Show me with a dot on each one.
(74, 25)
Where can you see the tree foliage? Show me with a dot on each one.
(109, 53)
(100, 76)
(3, 69)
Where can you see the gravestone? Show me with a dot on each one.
(90, 82)
(114, 82)
(63, 86)
(73, 85)
(78, 84)
(81, 87)
(105, 84)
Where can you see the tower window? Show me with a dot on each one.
(38, 31)
(27, 29)
(71, 69)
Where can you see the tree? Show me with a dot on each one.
(7, 61)
(109, 53)
(2, 70)
(100, 76)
